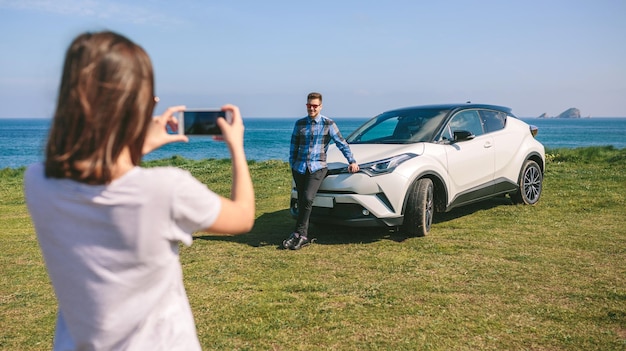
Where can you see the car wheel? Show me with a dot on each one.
(418, 214)
(530, 184)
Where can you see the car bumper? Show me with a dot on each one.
(347, 214)
(356, 200)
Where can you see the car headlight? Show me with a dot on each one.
(384, 166)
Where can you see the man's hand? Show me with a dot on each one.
(353, 168)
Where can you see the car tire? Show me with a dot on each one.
(419, 210)
(530, 184)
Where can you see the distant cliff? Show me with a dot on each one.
(569, 113)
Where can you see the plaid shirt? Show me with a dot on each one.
(309, 143)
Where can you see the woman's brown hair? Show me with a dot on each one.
(105, 103)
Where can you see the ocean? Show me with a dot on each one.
(22, 140)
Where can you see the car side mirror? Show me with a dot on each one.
(461, 135)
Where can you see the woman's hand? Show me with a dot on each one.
(157, 134)
(232, 133)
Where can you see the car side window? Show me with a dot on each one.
(465, 120)
(493, 120)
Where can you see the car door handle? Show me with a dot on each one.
(487, 145)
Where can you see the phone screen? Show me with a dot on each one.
(202, 122)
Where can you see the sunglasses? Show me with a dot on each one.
(313, 106)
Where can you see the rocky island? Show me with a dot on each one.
(569, 113)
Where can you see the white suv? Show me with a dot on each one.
(420, 160)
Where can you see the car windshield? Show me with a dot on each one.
(400, 127)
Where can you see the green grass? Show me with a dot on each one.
(492, 276)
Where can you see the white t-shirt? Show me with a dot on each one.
(112, 255)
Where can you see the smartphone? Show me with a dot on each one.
(202, 121)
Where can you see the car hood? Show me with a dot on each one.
(365, 153)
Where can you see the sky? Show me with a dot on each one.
(365, 57)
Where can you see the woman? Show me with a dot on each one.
(109, 230)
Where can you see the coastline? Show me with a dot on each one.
(22, 140)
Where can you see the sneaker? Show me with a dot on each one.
(303, 241)
(291, 241)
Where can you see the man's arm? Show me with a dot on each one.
(294, 146)
(343, 146)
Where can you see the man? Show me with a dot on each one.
(307, 158)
